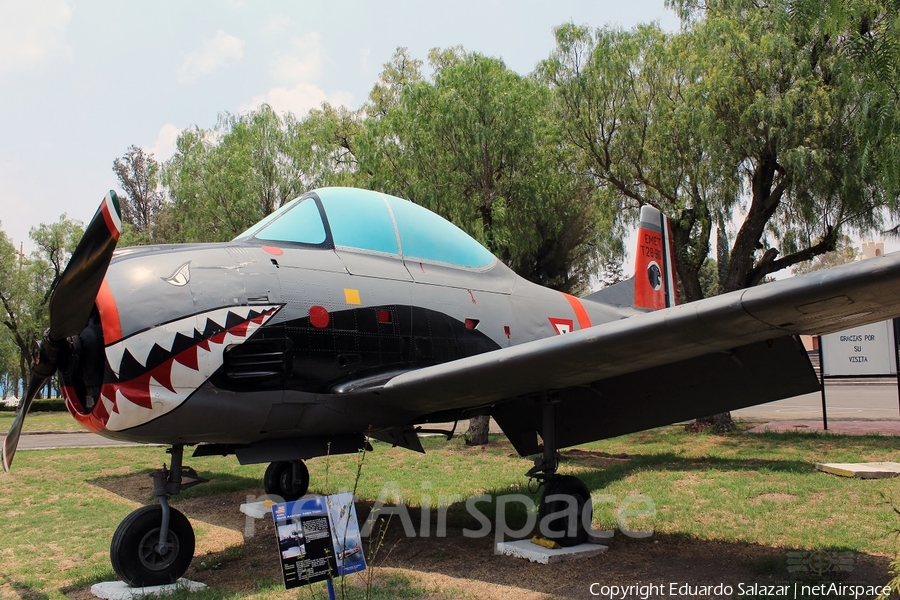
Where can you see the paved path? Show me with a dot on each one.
(834, 426)
(855, 400)
(65, 439)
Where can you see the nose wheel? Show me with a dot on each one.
(140, 559)
(286, 480)
(154, 545)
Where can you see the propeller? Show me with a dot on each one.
(70, 307)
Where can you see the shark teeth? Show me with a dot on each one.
(156, 370)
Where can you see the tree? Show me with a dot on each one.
(475, 144)
(26, 283)
(741, 110)
(225, 179)
(843, 253)
(139, 175)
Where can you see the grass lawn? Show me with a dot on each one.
(59, 508)
(41, 421)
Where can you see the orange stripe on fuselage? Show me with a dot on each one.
(584, 320)
(109, 315)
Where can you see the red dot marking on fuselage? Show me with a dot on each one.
(319, 317)
(273, 250)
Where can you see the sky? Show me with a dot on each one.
(81, 81)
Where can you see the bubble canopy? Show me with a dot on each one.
(354, 219)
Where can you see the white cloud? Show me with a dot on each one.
(164, 148)
(278, 23)
(303, 62)
(298, 69)
(32, 32)
(215, 53)
(299, 99)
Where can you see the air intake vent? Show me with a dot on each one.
(258, 360)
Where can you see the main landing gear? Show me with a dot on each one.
(286, 480)
(154, 545)
(565, 509)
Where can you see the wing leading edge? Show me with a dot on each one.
(624, 364)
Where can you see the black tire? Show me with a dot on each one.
(133, 549)
(557, 529)
(279, 480)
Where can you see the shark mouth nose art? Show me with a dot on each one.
(154, 371)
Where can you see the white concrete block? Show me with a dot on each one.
(119, 590)
(525, 549)
(872, 470)
(257, 510)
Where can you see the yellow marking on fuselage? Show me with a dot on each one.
(352, 296)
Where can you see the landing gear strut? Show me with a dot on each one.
(565, 509)
(154, 545)
(287, 480)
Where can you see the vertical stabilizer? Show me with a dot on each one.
(654, 265)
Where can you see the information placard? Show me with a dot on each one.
(866, 350)
(318, 539)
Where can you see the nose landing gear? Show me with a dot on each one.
(154, 545)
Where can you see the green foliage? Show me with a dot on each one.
(843, 253)
(709, 278)
(225, 179)
(138, 174)
(26, 284)
(629, 113)
(476, 144)
(745, 108)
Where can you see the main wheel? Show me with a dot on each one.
(133, 551)
(558, 528)
(280, 481)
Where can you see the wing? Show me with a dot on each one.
(691, 360)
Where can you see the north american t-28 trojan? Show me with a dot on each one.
(350, 314)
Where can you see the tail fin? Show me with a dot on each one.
(654, 266)
(653, 285)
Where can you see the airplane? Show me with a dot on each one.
(348, 315)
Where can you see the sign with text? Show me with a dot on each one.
(866, 350)
(318, 539)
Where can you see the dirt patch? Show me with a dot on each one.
(231, 546)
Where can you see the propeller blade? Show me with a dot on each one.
(76, 290)
(70, 306)
(12, 438)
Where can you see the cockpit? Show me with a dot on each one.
(371, 222)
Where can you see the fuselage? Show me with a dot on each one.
(237, 342)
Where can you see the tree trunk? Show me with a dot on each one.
(718, 423)
(477, 434)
